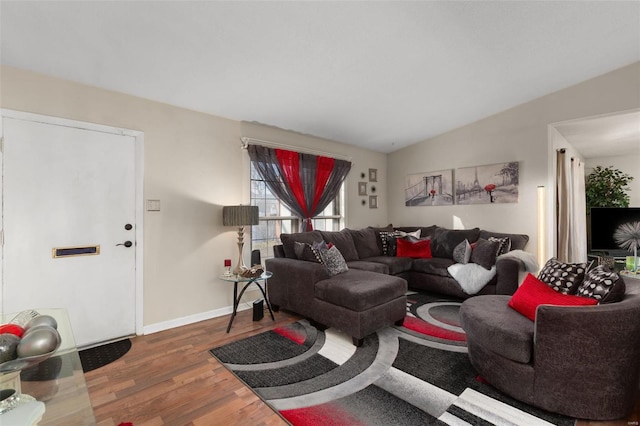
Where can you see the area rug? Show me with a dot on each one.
(415, 374)
(102, 355)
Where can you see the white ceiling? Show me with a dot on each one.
(382, 75)
(607, 136)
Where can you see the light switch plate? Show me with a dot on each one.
(153, 205)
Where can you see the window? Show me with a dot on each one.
(276, 218)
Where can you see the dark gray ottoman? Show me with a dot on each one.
(360, 302)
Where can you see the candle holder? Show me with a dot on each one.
(227, 267)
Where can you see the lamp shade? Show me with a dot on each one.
(240, 215)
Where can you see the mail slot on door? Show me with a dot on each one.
(62, 252)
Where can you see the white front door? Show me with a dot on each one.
(69, 210)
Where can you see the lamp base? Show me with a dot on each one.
(240, 266)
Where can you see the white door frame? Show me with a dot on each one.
(139, 195)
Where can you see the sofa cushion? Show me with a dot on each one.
(445, 240)
(533, 293)
(366, 265)
(395, 265)
(414, 248)
(366, 242)
(433, 266)
(603, 285)
(485, 253)
(360, 290)
(518, 241)
(288, 241)
(562, 277)
(490, 321)
(343, 241)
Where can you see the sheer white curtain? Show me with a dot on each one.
(571, 209)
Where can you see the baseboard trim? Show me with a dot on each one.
(190, 319)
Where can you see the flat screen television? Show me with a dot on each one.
(603, 223)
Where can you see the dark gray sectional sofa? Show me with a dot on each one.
(371, 294)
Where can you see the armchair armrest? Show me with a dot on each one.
(592, 352)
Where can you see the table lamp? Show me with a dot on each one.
(240, 216)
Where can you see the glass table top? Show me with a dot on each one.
(240, 279)
(58, 381)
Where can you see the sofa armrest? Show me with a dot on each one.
(278, 251)
(507, 276)
(292, 285)
(592, 352)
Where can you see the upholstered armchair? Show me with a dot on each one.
(580, 361)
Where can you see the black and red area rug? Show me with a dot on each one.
(417, 374)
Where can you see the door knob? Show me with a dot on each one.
(126, 244)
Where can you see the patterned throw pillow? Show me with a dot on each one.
(504, 244)
(603, 285)
(385, 238)
(388, 239)
(306, 251)
(462, 252)
(333, 260)
(562, 277)
(533, 293)
(414, 248)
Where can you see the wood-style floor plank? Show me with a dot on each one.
(169, 378)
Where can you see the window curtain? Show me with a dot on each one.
(571, 209)
(305, 183)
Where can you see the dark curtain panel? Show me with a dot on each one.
(305, 183)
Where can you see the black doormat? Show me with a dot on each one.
(102, 355)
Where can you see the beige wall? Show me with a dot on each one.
(194, 165)
(518, 134)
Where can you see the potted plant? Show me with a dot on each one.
(607, 187)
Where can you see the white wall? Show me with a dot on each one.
(518, 134)
(629, 164)
(194, 165)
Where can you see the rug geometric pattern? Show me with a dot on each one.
(416, 374)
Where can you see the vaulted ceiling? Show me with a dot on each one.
(381, 75)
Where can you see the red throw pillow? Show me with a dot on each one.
(534, 292)
(407, 248)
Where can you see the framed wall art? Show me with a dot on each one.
(373, 201)
(373, 175)
(429, 189)
(362, 188)
(493, 183)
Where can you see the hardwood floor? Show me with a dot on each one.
(169, 378)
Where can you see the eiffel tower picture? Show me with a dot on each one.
(502, 178)
(476, 184)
